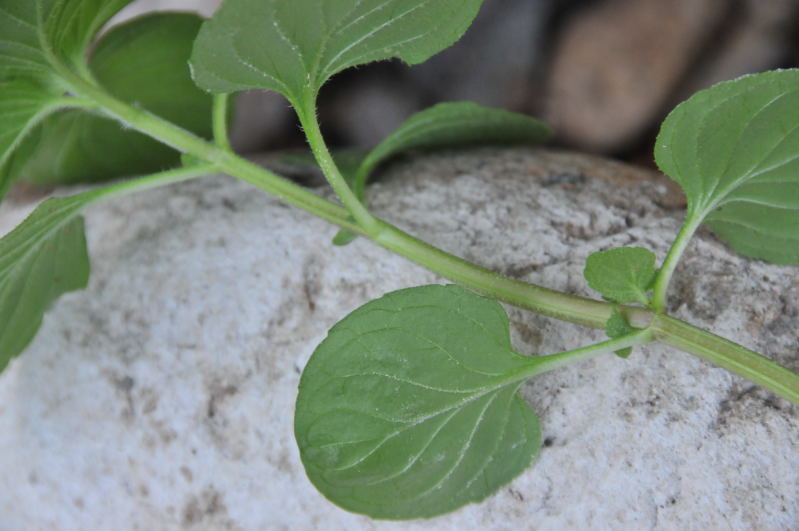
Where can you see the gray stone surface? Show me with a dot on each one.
(161, 397)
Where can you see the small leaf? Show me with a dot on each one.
(734, 149)
(294, 47)
(448, 125)
(617, 326)
(344, 237)
(451, 125)
(38, 32)
(624, 274)
(41, 259)
(409, 408)
(143, 62)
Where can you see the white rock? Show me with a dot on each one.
(162, 396)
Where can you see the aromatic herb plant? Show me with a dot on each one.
(409, 408)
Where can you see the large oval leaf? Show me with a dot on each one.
(734, 148)
(409, 408)
(143, 61)
(293, 47)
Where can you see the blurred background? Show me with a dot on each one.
(604, 73)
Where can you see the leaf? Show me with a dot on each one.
(38, 32)
(451, 124)
(75, 146)
(45, 256)
(295, 47)
(41, 259)
(617, 326)
(409, 408)
(347, 161)
(623, 274)
(5, 181)
(22, 104)
(71, 25)
(734, 149)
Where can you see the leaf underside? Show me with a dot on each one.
(409, 407)
(22, 105)
(734, 149)
(75, 146)
(294, 47)
(37, 32)
(41, 259)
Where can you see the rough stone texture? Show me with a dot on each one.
(618, 61)
(161, 397)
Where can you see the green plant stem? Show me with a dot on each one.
(529, 296)
(220, 121)
(155, 180)
(522, 294)
(310, 125)
(660, 290)
(187, 142)
(555, 361)
(731, 356)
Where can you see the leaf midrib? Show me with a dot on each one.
(753, 170)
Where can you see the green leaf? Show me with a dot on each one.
(5, 181)
(451, 125)
(448, 125)
(623, 274)
(71, 25)
(22, 105)
(617, 326)
(409, 408)
(37, 33)
(41, 259)
(143, 62)
(45, 257)
(293, 47)
(734, 149)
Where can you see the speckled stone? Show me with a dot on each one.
(161, 397)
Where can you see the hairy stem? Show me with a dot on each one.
(155, 180)
(524, 295)
(563, 359)
(359, 212)
(660, 291)
(731, 356)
